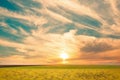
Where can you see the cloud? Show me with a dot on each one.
(23, 32)
(58, 17)
(3, 24)
(96, 47)
(20, 60)
(32, 19)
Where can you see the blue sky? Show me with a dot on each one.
(38, 31)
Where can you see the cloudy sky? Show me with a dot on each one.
(38, 31)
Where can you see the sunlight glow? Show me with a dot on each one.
(64, 56)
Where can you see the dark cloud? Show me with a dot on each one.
(110, 58)
(96, 47)
(7, 51)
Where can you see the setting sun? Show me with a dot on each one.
(64, 56)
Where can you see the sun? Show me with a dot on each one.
(64, 56)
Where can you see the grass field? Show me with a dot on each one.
(60, 73)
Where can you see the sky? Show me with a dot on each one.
(36, 32)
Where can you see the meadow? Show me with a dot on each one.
(60, 73)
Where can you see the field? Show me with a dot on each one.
(60, 73)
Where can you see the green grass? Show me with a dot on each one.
(61, 72)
